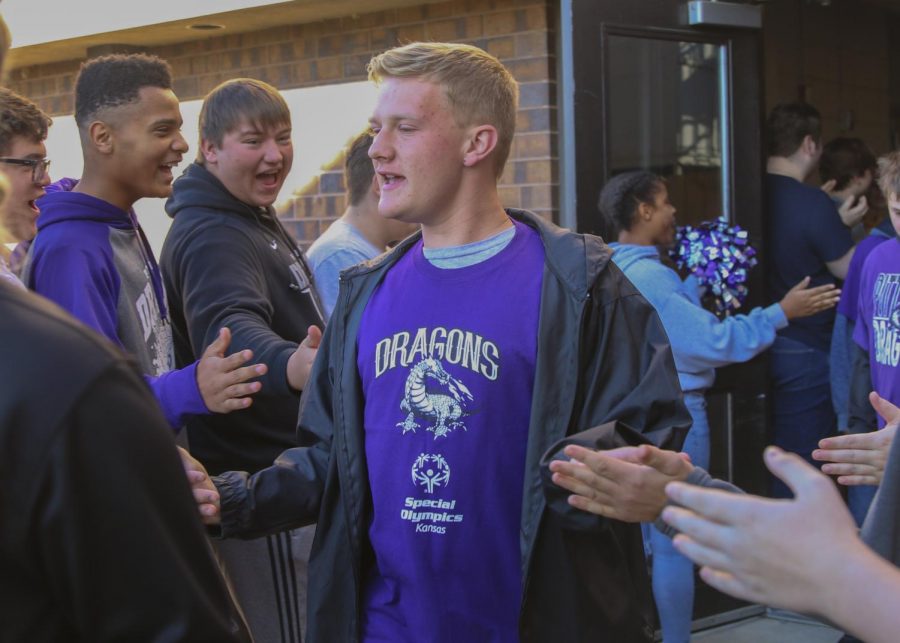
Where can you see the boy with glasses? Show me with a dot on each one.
(67, 570)
(23, 129)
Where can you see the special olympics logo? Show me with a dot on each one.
(430, 471)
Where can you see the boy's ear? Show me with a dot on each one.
(482, 140)
(809, 145)
(102, 137)
(209, 151)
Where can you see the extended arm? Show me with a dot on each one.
(700, 340)
(233, 293)
(802, 554)
(628, 394)
(631, 376)
(861, 458)
(287, 494)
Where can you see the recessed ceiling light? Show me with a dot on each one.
(205, 26)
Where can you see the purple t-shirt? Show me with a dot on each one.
(878, 325)
(849, 302)
(446, 358)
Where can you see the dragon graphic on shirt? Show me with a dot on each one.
(435, 398)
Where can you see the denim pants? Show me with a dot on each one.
(673, 574)
(801, 401)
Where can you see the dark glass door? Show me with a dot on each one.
(684, 102)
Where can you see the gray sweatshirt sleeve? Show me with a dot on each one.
(701, 478)
(881, 528)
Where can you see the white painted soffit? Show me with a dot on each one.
(35, 23)
(45, 31)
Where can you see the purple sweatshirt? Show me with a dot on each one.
(93, 259)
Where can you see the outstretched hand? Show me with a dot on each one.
(860, 458)
(205, 493)
(625, 484)
(223, 380)
(802, 301)
(300, 362)
(776, 552)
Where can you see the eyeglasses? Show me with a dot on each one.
(38, 167)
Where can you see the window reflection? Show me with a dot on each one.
(664, 115)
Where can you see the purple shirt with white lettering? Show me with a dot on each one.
(878, 324)
(447, 359)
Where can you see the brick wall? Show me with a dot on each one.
(518, 32)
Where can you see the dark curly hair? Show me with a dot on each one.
(20, 117)
(621, 196)
(111, 81)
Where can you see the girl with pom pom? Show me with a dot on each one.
(635, 206)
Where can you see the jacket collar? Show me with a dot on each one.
(575, 259)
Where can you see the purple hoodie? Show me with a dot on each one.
(93, 259)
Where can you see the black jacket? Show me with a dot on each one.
(226, 263)
(861, 415)
(602, 355)
(99, 534)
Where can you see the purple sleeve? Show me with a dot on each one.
(82, 280)
(178, 394)
(850, 290)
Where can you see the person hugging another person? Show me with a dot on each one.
(636, 205)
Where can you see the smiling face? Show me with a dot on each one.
(19, 215)
(147, 142)
(418, 150)
(252, 162)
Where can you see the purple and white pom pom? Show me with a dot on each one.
(720, 257)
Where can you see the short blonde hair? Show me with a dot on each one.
(479, 88)
(889, 174)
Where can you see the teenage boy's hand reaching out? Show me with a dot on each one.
(300, 363)
(223, 380)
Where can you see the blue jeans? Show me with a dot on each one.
(801, 401)
(858, 500)
(673, 574)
